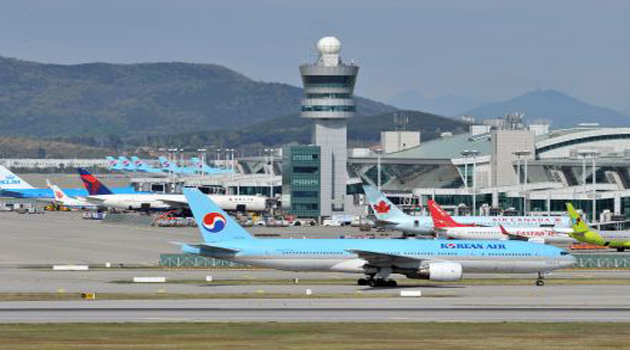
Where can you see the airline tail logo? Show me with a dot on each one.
(138, 162)
(381, 207)
(126, 162)
(441, 219)
(166, 164)
(112, 162)
(214, 222)
(10, 180)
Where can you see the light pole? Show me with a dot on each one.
(202, 166)
(593, 155)
(378, 168)
(467, 154)
(519, 154)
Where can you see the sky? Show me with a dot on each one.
(484, 49)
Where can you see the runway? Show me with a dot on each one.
(290, 310)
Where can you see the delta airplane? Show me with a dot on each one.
(446, 227)
(389, 216)
(12, 185)
(61, 198)
(102, 196)
(143, 167)
(583, 233)
(436, 260)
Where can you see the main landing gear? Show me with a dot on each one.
(377, 282)
(541, 280)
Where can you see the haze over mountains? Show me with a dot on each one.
(559, 108)
(128, 100)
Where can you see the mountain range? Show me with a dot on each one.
(447, 105)
(131, 100)
(362, 131)
(559, 108)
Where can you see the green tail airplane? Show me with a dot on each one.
(581, 232)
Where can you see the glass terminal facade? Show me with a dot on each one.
(301, 180)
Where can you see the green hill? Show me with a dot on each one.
(131, 100)
(362, 131)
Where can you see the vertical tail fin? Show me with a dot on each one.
(166, 165)
(214, 224)
(577, 223)
(92, 184)
(441, 219)
(60, 195)
(8, 180)
(383, 209)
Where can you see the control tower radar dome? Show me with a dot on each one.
(329, 45)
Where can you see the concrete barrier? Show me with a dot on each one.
(70, 267)
(411, 293)
(149, 279)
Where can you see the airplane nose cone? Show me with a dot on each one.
(569, 261)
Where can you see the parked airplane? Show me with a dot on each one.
(436, 260)
(170, 167)
(446, 227)
(126, 164)
(61, 198)
(581, 232)
(143, 167)
(103, 196)
(12, 185)
(389, 216)
(113, 164)
(203, 168)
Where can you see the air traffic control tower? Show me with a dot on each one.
(328, 101)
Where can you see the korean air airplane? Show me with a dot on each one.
(203, 168)
(126, 164)
(143, 167)
(389, 216)
(436, 260)
(446, 227)
(113, 164)
(168, 166)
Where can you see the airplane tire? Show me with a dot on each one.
(392, 283)
(373, 282)
(540, 283)
(362, 282)
(621, 250)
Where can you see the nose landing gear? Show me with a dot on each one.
(541, 280)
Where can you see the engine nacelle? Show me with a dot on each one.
(439, 271)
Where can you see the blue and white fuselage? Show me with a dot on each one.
(438, 260)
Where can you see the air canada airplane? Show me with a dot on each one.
(436, 260)
(446, 227)
(389, 216)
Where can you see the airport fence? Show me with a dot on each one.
(192, 261)
(188, 261)
(602, 261)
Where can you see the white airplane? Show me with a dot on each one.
(389, 216)
(446, 227)
(102, 196)
(61, 198)
(436, 260)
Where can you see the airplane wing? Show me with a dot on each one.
(174, 203)
(378, 258)
(201, 248)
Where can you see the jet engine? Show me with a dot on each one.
(439, 271)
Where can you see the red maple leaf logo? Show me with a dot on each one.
(381, 207)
